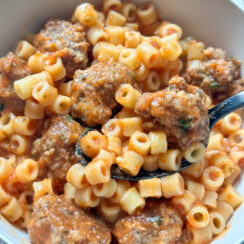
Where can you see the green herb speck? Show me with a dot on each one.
(61, 137)
(159, 220)
(66, 232)
(59, 166)
(69, 117)
(132, 76)
(2, 105)
(215, 84)
(34, 156)
(185, 124)
(41, 43)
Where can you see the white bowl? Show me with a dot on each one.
(217, 23)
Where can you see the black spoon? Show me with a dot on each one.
(215, 114)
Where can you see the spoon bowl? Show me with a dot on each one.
(215, 114)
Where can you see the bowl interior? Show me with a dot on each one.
(217, 23)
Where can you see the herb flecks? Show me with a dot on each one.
(61, 137)
(159, 220)
(215, 84)
(132, 76)
(69, 117)
(34, 156)
(41, 43)
(2, 105)
(185, 124)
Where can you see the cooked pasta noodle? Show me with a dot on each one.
(147, 13)
(27, 170)
(86, 14)
(129, 11)
(86, 198)
(25, 49)
(109, 211)
(88, 101)
(198, 216)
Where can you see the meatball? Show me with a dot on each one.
(157, 223)
(58, 220)
(93, 91)
(180, 110)
(217, 75)
(11, 68)
(55, 150)
(65, 40)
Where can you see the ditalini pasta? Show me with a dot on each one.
(118, 89)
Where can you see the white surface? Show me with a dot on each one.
(239, 3)
(216, 22)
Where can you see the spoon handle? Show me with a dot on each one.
(227, 106)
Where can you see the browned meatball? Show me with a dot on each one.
(217, 75)
(93, 91)
(67, 41)
(55, 150)
(155, 224)
(11, 68)
(180, 110)
(57, 220)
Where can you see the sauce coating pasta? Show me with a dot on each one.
(145, 92)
